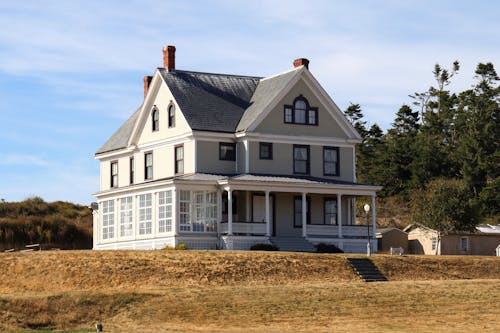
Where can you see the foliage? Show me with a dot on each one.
(180, 246)
(58, 224)
(445, 205)
(441, 135)
(264, 247)
(327, 248)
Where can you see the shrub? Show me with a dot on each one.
(180, 246)
(327, 248)
(264, 247)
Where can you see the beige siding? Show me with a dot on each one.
(189, 159)
(162, 101)
(282, 162)
(105, 175)
(208, 159)
(420, 241)
(274, 122)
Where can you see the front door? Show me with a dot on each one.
(259, 208)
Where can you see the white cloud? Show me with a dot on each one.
(23, 160)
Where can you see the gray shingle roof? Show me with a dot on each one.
(211, 102)
(266, 91)
(120, 138)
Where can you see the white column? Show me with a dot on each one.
(304, 215)
(175, 212)
(247, 156)
(229, 211)
(353, 211)
(268, 220)
(339, 214)
(374, 218)
(219, 210)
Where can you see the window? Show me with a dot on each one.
(108, 219)
(297, 211)
(171, 115)
(301, 159)
(155, 119)
(227, 151)
(132, 167)
(114, 174)
(464, 244)
(204, 211)
(145, 214)
(185, 210)
(330, 211)
(266, 151)
(126, 222)
(330, 161)
(148, 166)
(165, 211)
(301, 113)
(434, 243)
(179, 159)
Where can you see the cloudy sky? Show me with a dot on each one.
(71, 71)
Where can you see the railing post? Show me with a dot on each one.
(268, 219)
(229, 211)
(339, 214)
(304, 215)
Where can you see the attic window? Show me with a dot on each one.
(301, 113)
(155, 119)
(171, 116)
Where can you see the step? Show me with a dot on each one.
(366, 270)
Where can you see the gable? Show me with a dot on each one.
(327, 124)
(160, 98)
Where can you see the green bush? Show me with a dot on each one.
(180, 246)
(264, 247)
(327, 248)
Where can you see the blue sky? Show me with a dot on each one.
(71, 71)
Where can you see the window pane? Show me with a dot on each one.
(300, 104)
(312, 117)
(227, 151)
(300, 116)
(288, 115)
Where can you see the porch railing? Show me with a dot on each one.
(253, 228)
(333, 230)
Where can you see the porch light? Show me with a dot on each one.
(368, 247)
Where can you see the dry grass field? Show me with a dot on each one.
(215, 291)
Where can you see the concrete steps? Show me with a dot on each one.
(365, 268)
(293, 244)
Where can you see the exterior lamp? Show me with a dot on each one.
(368, 247)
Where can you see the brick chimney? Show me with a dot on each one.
(147, 82)
(301, 62)
(169, 57)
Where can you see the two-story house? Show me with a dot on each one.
(228, 161)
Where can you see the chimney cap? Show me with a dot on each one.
(301, 62)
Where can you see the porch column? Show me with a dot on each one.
(248, 204)
(229, 211)
(339, 214)
(268, 220)
(354, 211)
(374, 217)
(304, 215)
(219, 210)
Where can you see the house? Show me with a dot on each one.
(483, 241)
(391, 237)
(217, 161)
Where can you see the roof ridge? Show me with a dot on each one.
(218, 74)
(282, 73)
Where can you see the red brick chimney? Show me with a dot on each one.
(301, 62)
(147, 82)
(169, 57)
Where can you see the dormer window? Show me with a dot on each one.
(301, 113)
(171, 116)
(155, 119)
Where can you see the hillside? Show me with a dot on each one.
(224, 291)
(57, 224)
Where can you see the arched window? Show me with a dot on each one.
(301, 113)
(155, 119)
(171, 115)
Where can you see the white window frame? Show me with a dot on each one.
(126, 217)
(165, 211)
(145, 214)
(108, 219)
(184, 211)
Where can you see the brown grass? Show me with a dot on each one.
(215, 291)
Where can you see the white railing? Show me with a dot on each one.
(255, 228)
(333, 230)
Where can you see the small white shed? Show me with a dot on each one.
(498, 250)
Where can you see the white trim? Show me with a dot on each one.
(296, 139)
(247, 156)
(282, 73)
(339, 214)
(195, 143)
